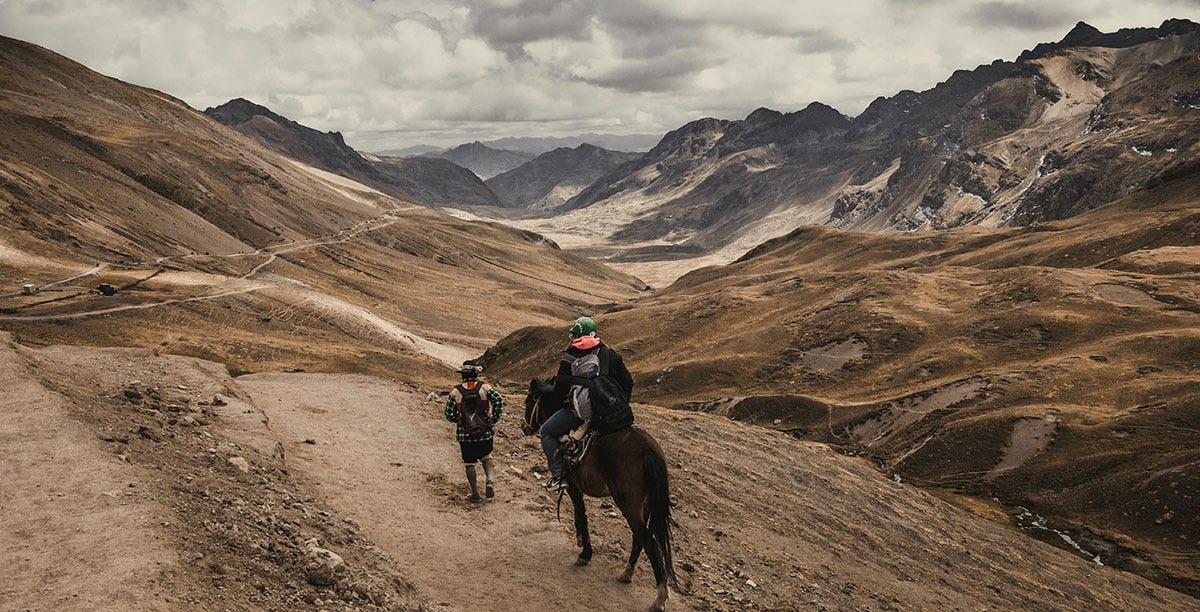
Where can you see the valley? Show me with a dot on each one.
(943, 354)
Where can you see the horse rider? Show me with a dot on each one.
(583, 342)
(475, 441)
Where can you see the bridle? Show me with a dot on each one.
(535, 414)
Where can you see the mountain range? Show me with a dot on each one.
(1066, 127)
(427, 180)
(550, 179)
(481, 159)
(114, 183)
(533, 145)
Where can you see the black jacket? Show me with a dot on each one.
(616, 369)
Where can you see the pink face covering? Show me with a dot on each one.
(585, 343)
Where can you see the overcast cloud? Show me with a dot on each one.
(393, 73)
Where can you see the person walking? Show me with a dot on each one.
(474, 406)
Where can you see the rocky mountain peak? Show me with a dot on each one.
(1081, 34)
(238, 111)
(763, 115)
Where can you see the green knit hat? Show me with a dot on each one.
(583, 327)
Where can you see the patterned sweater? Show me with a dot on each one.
(494, 400)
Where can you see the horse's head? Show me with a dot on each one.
(538, 406)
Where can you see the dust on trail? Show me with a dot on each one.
(387, 459)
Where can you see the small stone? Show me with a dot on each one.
(218, 400)
(133, 395)
(752, 584)
(239, 463)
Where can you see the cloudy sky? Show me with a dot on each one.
(394, 73)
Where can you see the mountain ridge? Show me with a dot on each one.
(550, 179)
(964, 152)
(432, 181)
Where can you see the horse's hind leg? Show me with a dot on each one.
(654, 553)
(582, 538)
(635, 550)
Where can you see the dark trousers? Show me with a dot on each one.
(557, 425)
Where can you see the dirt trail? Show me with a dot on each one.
(77, 532)
(387, 459)
(762, 520)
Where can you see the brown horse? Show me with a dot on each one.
(627, 465)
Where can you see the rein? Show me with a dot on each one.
(535, 414)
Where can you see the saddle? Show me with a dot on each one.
(575, 443)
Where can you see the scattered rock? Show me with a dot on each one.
(133, 395)
(324, 566)
(149, 434)
(309, 441)
(239, 463)
(432, 397)
(217, 400)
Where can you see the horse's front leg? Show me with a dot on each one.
(582, 538)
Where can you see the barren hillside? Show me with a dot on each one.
(220, 248)
(1051, 367)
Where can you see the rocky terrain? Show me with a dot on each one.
(552, 178)
(1067, 127)
(483, 160)
(1047, 371)
(211, 492)
(430, 181)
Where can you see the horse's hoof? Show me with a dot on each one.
(580, 562)
(579, 541)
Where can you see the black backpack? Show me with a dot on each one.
(610, 409)
(472, 411)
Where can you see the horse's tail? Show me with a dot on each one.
(658, 519)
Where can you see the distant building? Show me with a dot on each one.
(29, 289)
(107, 289)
